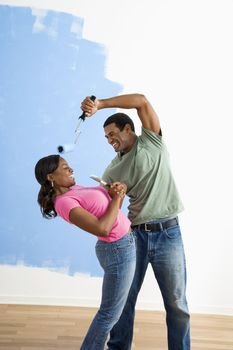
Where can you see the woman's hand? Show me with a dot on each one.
(117, 189)
(89, 107)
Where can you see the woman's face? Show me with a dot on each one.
(62, 177)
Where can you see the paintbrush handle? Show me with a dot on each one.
(83, 116)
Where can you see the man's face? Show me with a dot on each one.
(119, 140)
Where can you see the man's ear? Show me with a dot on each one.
(127, 128)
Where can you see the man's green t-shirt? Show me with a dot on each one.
(146, 171)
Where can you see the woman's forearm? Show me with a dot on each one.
(107, 221)
(97, 226)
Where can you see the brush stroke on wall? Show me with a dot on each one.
(46, 69)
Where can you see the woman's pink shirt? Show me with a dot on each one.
(95, 200)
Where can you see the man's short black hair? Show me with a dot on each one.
(120, 119)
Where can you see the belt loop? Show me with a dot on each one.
(161, 226)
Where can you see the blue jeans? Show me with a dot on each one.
(164, 250)
(118, 260)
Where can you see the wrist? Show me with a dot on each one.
(100, 104)
(117, 200)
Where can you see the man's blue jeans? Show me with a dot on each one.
(118, 260)
(164, 250)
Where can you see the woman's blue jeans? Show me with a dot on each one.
(118, 260)
(164, 251)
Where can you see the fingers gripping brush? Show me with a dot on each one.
(69, 147)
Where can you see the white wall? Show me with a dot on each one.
(180, 55)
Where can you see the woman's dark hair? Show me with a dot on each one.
(45, 166)
(120, 119)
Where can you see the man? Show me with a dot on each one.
(142, 164)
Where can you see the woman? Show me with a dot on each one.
(97, 211)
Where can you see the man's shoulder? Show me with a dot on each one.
(113, 162)
(149, 137)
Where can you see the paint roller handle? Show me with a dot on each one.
(83, 116)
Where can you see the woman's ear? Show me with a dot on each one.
(50, 177)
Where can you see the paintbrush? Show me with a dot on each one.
(98, 179)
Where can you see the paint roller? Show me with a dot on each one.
(69, 147)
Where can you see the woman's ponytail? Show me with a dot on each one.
(46, 201)
(46, 195)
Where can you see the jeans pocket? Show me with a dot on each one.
(127, 241)
(125, 249)
(173, 232)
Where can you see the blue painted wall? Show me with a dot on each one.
(44, 75)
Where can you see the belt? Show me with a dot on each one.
(159, 226)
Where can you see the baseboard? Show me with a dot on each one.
(149, 306)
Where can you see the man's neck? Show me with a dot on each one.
(134, 139)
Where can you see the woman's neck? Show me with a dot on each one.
(61, 190)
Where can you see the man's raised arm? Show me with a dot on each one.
(145, 111)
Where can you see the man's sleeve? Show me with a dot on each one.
(151, 137)
(106, 176)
